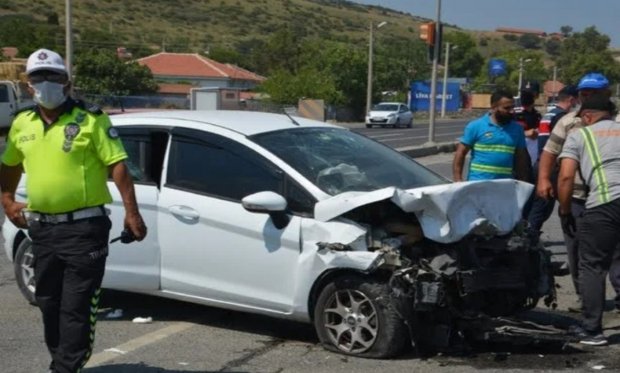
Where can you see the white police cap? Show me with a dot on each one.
(45, 59)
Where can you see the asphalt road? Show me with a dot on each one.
(190, 338)
(402, 138)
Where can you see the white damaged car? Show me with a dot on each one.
(302, 220)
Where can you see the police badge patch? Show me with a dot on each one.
(71, 131)
(112, 133)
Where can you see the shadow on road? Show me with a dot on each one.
(161, 309)
(142, 368)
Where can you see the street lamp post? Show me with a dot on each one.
(555, 77)
(521, 63)
(370, 53)
(431, 103)
(68, 40)
(445, 78)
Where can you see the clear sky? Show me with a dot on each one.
(546, 15)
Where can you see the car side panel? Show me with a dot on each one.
(134, 266)
(213, 248)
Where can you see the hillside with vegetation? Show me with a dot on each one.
(307, 48)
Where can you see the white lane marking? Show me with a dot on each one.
(456, 135)
(136, 343)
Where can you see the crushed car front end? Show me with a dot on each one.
(458, 261)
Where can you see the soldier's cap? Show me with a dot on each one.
(593, 81)
(597, 102)
(45, 59)
(569, 90)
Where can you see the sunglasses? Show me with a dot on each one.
(50, 77)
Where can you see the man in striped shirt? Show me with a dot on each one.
(497, 143)
(595, 151)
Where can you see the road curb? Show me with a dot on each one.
(426, 150)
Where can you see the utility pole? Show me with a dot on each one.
(432, 99)
(520, 76)
(68, 40)
(445, 81)
(370, 53)
(369, 83)
(555, 76)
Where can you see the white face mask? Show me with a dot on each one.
(49, 95)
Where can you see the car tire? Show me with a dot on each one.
(350, 310)
(410, 124)
(24, 270)
(397, 124)
(368, 125)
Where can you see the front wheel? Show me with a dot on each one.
(23, 266)
(353, 316)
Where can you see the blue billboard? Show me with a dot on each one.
(497, 67)
(421, 91)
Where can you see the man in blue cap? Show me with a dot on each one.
(589, 84)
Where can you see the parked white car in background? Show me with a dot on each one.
(303, 220)
(392, 114)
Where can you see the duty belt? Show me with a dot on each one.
(89, 212)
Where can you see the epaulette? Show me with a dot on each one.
(25, 108)
(90, 107)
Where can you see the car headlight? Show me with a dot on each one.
(391, 115)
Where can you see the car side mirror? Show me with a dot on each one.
(268, 203)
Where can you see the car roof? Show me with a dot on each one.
(245, 122)
(390, 103)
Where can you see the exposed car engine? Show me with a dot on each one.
(447, 293)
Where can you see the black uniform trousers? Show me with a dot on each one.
(69, 262)
(572, 250)
(598, 236)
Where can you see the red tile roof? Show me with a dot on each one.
(521, 31)
(195, 65)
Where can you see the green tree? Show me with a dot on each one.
(285, 87)
(533, 70)
(102, 73)
(587, 51)
(282, 51)
(553, 46)
(529, 41)
(465, 60)
(398, 62)
(566, 30)
(27, 34)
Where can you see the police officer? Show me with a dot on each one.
(67, 149)
(542, 208)
(595, 151)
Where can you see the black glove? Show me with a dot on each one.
(569, 227)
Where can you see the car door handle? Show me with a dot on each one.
(184, 211)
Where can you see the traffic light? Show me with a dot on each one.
(427, 33)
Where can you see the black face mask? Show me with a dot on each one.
(504, 118)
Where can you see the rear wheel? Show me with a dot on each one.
(23, 266)
(368, 125)
(353, 316)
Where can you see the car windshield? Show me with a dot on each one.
(337, 160)
(385, 107)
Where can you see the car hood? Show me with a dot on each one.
(446, 212)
